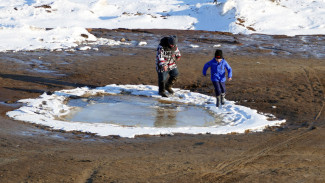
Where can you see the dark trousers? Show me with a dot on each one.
(219, 87)
(162, 76)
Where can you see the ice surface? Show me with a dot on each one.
(128, 110)
(51, 110)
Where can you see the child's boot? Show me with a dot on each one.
(161, 90)
(218, 101)
(223, 95)
(171, 81)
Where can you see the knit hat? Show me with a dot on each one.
(172, 40)
(218, 54)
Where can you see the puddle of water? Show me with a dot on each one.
(127, 110)
(10, 104)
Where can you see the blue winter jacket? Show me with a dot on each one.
(218, 72)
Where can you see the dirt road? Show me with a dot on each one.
(291, 88)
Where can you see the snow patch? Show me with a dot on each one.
(47, 110)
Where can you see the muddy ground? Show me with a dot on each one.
(289, 86)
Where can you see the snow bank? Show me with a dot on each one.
(47, 110)
(23, 23)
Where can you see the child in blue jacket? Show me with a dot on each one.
(218, 66)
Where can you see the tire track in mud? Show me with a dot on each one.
(92, 176)
(316, 89)
(227, 168)
(88, 175)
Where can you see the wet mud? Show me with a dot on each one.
(280, 75)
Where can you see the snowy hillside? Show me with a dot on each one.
(23, 23)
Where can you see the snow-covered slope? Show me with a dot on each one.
(25, 21)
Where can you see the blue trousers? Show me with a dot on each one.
(219, 87)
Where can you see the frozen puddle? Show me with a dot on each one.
(139, 111)
(130, 110)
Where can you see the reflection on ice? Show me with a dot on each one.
(127, 110)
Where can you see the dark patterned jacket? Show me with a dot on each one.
(166, 56)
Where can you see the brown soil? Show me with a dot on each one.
(294, 152)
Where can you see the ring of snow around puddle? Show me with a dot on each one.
(130, 110)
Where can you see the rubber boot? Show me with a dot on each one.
(161, 91)
(218, 101)
(171, 81)
(223, 99)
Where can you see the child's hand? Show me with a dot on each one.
(229, 79)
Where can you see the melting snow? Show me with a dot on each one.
(49, 109)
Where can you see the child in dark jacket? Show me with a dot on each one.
(217, 66)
